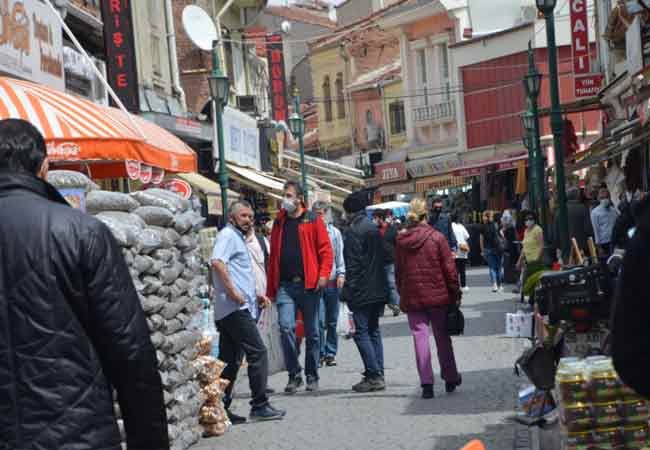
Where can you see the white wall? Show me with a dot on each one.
(484, 18)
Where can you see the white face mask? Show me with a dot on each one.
(604, 202)
(530, 223)
(289, 205)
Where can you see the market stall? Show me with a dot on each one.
(399, 209)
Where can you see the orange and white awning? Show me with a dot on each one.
(80, 131)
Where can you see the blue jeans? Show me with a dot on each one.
(290, 298)
(393, 295)
(329, 316)
(495, 263)
(368, 338)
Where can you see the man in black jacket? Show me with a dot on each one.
(71, 324)
(388, 234)
(630, 331)
(366, 289)
(442, 222)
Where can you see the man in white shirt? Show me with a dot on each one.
(462, 251)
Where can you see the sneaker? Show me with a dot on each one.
(266, 413)
(451, 387)
(312, 385)
(501, 290)
(370, 384)
(495, 288)
(293, 384)
(330, 361)
(234, 418)
(427, 391)
(466, 289)
(395, 309)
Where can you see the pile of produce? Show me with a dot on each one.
(213, 416)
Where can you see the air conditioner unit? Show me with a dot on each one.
(247, 104)
(99, 92)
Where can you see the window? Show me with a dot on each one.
(327, 99)
(155, 55)
(340, 96)
(444, 70)
(422, 78)
(397, 118)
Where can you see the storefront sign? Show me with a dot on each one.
(157, 175)
(132, 169)
(580, 37)
(439, 183)
(432, 166)
(179, 187)
(120, 52)
(397, 189)
(588, 85)
(31, 45)
(242, 139)
(275, 57)
(389, 172)
(146, 172)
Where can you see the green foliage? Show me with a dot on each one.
(531, 282)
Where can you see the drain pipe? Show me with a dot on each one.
(220, 14)
(173, 55)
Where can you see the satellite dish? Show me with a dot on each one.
(199, 27)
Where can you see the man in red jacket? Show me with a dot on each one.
(300, 264)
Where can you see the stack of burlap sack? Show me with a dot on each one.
(213, 416)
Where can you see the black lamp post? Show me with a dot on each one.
(526, 121)
(297, 127)
(219, 85)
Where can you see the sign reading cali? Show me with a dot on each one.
(586, 84)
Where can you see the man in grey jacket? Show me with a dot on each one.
(329, 304)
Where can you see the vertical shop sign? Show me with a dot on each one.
(120, 52)
(275, 58)
(585, 83)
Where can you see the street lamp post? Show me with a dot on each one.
(546, 7)
(219, 92)
(529, 143)
(297, 127)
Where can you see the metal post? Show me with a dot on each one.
(532, 183)
(301, 143)
(556, 127)
(217, 130)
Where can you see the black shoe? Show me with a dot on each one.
(330, 361)
(370, 384)
(312, 385)
(234, 418)
(293, 384)
(394, 309)
(451, 387)
(266, 413)
(427, 391)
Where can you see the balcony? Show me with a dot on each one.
(435, 114)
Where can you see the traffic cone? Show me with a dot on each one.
(474, 445)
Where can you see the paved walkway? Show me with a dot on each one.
(338, 419)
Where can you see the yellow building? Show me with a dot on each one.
(330, 74)
(393, 103)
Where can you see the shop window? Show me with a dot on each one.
(397, 118)
(340, 96)
(327, 98)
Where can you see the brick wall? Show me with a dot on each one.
(194, 64)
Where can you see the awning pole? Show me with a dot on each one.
(319, 181)
(95, 69)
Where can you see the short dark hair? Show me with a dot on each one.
(437, 199)
(379, 213)
(530, 214)
(296, 187)
(22, 146)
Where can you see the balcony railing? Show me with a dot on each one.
(441, 112)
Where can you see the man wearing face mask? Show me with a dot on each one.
(388, 234)
(300, 266)
(235, 312)
(603, 219)
(630, 331)
(442, 222)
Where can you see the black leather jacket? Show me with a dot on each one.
(71, 327)
(365, 276)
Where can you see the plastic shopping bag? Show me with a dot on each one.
(343, 324)
(269, 329)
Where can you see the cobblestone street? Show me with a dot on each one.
(336, 418)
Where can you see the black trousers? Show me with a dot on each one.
(238, 336)
(461, 263)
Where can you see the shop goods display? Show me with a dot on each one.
(519, 324)
(597, 411)
(158, 234)
(212, 415)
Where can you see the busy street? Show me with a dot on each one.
(398, 418)
(324, 224)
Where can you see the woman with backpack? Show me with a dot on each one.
(492, 247)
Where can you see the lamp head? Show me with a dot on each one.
(219, 88)
(296, 124)
(545, 6)
(533, 84)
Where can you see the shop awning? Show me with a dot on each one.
(204, 185)
(80, 131)
(255, 179)
(439, 182)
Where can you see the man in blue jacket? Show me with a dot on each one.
(442, 222)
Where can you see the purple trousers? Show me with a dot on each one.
(419, 323)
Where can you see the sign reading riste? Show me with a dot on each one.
(120, 52)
